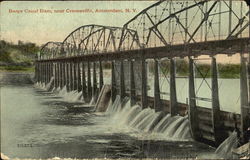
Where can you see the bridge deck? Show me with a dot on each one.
(228, 47)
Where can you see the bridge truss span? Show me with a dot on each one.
(50, 50)
(180, 22)
(97, 39)
(155, 40)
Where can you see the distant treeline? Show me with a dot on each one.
(21, 54)
(201, 69)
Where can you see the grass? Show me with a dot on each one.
(17, 68)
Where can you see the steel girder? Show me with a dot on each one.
(161, 24)
(50, 50)
(94, 39)
(180, 22)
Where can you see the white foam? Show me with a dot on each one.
(145, 121)
(226, 147)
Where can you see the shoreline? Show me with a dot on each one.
(17, 69)
(16, 77)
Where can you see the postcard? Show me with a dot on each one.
(125, 79)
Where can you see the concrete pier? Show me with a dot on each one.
(157, 99)
(192, 110)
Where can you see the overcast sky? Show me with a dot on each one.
(43, 27)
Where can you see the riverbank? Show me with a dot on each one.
(11, 68)
(16, 77)
(43, 127)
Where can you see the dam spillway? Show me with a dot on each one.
(132, 53)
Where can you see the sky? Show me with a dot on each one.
(42, 27)
(24, 21)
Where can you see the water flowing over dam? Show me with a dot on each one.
(141, 90)
(146, 66)
(52, 124)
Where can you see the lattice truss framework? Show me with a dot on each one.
(178, 22)
(161, 24)
(50, 50)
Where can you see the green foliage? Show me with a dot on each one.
(17, 68)
(182, 67)
(201, 69)
(21, 53)
(229, 70)
(106, 65)
(5, 56)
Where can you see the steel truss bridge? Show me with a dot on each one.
(165, 30)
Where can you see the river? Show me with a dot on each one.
(36, 123)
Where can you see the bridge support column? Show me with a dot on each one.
(249, 66)
(100, 76)
(51, 69)
(37, 71)
(58, 74)
(43, 77)
(61, 75)
(245, 115)
(42, 72)
(64, 74)
(157, 98)
(216, 121)
(84, 87)
(113, 82)
(55, 71)
(144, 100)
(75, 75)
(192, 110)
(71, 76)
(132, 84)
(45, 73)
(89, 83)
(67, 76)
(174, 108)
(79, 87)
(122, 83)
(94, 81)
(48, 72)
